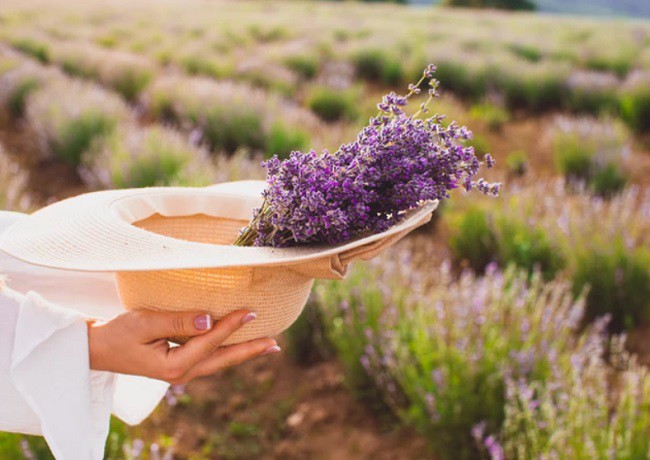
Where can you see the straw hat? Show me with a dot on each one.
(171, 250)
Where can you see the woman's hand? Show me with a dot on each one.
(136, 343)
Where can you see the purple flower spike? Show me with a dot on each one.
(396, 163)
(489, 161)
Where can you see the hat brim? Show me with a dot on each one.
(95, 232)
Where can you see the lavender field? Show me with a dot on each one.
(515, 327)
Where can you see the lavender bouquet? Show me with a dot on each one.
(397, 162)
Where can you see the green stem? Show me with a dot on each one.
(249, 234)
(411, 93)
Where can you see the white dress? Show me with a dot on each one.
(46, 386)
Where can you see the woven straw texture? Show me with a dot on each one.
(276, 294)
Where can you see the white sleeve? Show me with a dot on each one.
(46, 386)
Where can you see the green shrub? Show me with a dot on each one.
(352, 313)
(13, 186)
(19, 447)
(8, 64)
(517, 162)
(332, 105)
(76, 68)
(161, 106)
(594, 101)
(378, 66)
(593, 93)
(500, 4)
(241, 165)
(68, 116)
(282, 141)
(306, 65)
(462, 79)
(619, 283)
(480, 144)
(75, 137)
(572, 156)
(35, 48)
(275, 78)
(108, 40)
(229, 115)
(527, 246)
(307, 342)
(479, 237)
(200, 65)
(148, 158)
(574, 232)
(164, 56)
(590, 152)
(228, 128)
(619, 64)
(527, 52)
(268, 34)
(635, 107)
(493, 116)
(131, 82)
(473, 238)
(369, 64)
(588, 410)
(118, 440)
(536, 89)
(126, 73)
(608, 181)
(18, 98)
(341, 35)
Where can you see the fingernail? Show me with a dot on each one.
(203, 322)
(249, 317)
(270, 350)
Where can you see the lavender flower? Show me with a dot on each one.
(26, 450)
(174, 392)
(397, 163)
(494, 448)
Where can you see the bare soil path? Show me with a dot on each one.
(272, 408)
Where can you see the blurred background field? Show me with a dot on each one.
(514, 328)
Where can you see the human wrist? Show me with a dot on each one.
(96, 342)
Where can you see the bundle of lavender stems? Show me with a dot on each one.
(398, 162)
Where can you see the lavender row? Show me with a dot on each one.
(495, 364)
(551, 69)
(598, 243)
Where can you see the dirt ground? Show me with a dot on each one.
(273, 408)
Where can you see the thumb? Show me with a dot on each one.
(157, 325)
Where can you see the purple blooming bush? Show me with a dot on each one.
(227, 116)
(20, 80)
(586, 410)
(590, 152)
(397, 162)
(481, 234)
(603, 244)
(635, 102)
(146, 157)
(439, 352)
